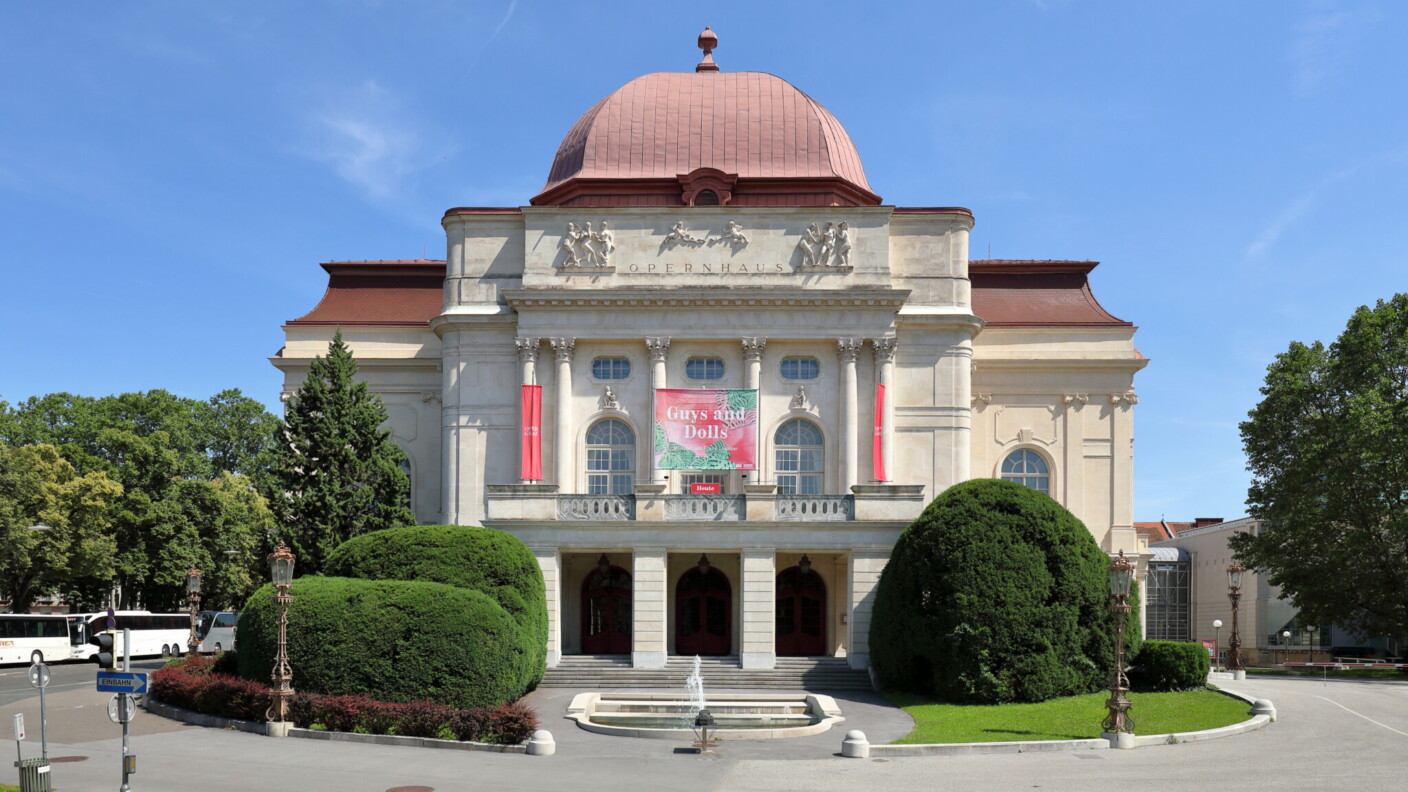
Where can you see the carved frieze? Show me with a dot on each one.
(609, 400)
(583, 246)
(1130, 398)
(680, 235)
(827, 247)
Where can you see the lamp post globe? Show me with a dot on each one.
(1234, 641)
(1285, 646)
(193, 602)
(281, 572)
(1117, 720)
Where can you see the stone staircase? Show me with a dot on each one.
(614, 672)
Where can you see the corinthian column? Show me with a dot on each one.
(527, 375)
(885, 368)
(846, 350)
(659, 349)
(563, 349)
(753, 356)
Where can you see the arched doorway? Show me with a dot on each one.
(606, 610)
(801, 611)
(703, 611)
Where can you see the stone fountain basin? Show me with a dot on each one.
(740, 716)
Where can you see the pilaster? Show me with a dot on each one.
(649, 608)
(759, 591)
(865, 569)
(550, 562)
(562, 457)
(846, 351)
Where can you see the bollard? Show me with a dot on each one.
(541, 744)
(855, 746)
(1264, 707)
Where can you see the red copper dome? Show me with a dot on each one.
(670, 138)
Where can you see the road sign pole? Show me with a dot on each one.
(43, 726)
(126, 666)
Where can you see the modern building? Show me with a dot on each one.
(709, 375)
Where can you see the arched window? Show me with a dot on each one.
(799, 458)
(1026, 467)
(706, 198)
(611, 453)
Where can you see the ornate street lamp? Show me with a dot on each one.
(1118, 721)
(193, 601)
(1216, 640)
(1234, 642)
(1285, 646)
(1310, 653)
(281, 570)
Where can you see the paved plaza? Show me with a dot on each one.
(1330, 735)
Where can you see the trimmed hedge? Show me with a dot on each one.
(194, 683)
(391, 640)
(1170, 665)
(995, 594)
(493, 562)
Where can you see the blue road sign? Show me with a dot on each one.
(121, 682)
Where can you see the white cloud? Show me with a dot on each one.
(370, 139)
(1293, 212)
(1323, 41)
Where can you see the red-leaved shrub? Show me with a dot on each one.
(191, 684)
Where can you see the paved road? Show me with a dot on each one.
(1330, 736)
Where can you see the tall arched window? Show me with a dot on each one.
(1026, 467)
(611, 453)
(799, 458)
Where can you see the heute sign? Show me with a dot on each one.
(706, 429)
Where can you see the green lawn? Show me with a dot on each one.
(1073, 718)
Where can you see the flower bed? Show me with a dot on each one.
(191, 683)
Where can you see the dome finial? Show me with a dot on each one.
(707, 42)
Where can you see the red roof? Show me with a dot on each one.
(396, 292)
(1037, 293)
(750, 125)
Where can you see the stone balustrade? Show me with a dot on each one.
(819, 508)
(705, 507)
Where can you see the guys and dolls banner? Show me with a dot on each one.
(706, 429)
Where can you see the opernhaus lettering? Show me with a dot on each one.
(709, 267)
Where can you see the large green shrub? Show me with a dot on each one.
(995, 593)
(493, 562)
(1170, 665)
(390, 640)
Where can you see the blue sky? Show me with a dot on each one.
(171, 173)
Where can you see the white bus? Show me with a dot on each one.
(153, 634)
(31, 637)
(216, 631)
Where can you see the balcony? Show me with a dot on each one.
(717, 508)
(604, 508)
(816, 508)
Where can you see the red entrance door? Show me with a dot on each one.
(801, 612)
(703, 612)
(606, 610)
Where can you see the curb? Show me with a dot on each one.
(1049, 746)
(286, 730)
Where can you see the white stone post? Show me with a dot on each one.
(527, 375)
(866, 566)
(659, 349)
(650, 615)
(885, 366)
(753, 356)
(550, 562)
(846, 350)
(759, 587)
(562, 456)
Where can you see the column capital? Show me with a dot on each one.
(847, 348)
(884, 348)
(527, 348)
(753, 347)
(659, 347)
(563, 348)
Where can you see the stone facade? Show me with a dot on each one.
(853, 295)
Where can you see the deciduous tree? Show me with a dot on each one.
(1328, 451)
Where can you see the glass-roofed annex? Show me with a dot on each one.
(709, 365)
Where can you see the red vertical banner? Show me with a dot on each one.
(531, 448)
(877, 443)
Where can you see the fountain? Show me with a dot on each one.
(733, 716)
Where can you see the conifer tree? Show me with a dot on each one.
(339, 473)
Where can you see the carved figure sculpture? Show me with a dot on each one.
(568, 245)
(587, 254)
(799, 399)
(843, 245)
(605, 244)
(733, 234)
(609, 401)
(808, 245)
(681, 234)
(828, 244)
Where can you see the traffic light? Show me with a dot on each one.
(107, 650)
